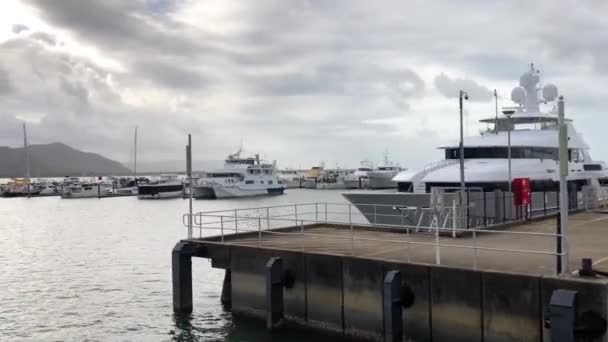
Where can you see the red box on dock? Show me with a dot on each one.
(521, 191)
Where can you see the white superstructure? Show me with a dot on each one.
(359, 178)
(534, 149)
(382, 176)
(240, 177)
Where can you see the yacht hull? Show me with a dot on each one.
(359, 183)
(381, 181)
(330, 186)
(217, 191)
(162, 195)
(19, 194)
(292, 184)
(81, 195)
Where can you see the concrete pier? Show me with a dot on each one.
(329, 277)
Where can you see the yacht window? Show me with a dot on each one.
(222, 175)
(576, 155)
(261, 182)
(249, 182)
(269, 182)
(592, 167)
(503, 153)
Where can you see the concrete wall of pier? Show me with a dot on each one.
(344, 295)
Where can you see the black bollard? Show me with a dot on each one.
(274, 293)
(181, 263)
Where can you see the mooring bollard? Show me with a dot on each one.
(391, 307)
(562, 315)
(274, 293)
(181, 263)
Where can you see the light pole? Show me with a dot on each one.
(508, 112)
(563, 189)
(461, 97)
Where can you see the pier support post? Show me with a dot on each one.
(274, 293)
(391, 307)
(562, 315)
(181, 263)
(227, 290)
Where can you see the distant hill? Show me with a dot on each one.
(56, 160)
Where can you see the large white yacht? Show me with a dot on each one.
(359, 178)
(240, 177)
(534, 151)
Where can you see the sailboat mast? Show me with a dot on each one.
(496, 109)
(135, 157)
(27, 153)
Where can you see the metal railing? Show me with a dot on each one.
(262, 223)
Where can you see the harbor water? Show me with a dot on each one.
(100, 270)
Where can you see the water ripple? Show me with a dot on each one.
(100, 270)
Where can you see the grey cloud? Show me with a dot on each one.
(75, 90)
(44, 37)
(293, 71)
(79, 106)
(450, 87)
(120, 26)
(172, 74)
(360, 81)
(17, 28)
(6, 86)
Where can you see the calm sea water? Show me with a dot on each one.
(99, 270)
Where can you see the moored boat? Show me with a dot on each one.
(168, 186)
(240, 177)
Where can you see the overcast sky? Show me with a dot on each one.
(298, 81)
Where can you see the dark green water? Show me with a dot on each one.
(99, 270)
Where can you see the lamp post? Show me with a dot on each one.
(563, 189)
(461, 97)
(508, 113)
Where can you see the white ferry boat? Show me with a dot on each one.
(240, 177)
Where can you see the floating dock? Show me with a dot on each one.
(385, 284)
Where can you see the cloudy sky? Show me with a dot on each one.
(300, 81)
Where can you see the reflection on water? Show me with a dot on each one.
(242, 329)
(100, 269)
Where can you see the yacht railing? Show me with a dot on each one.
(300, 221)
